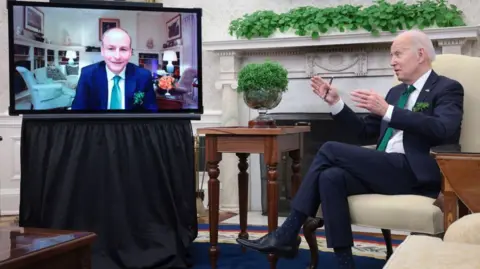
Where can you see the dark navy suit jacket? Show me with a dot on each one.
(439, 124)
(92, 88)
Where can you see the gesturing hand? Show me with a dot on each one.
(370, 101)
(321, 88)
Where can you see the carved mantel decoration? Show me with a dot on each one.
(338, 63)
(342, 54)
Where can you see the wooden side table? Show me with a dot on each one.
(243, 141)
(461, 184)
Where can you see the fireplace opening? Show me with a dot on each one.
(323, 129)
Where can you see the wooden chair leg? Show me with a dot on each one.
(387, 235)
(440, 235)
(309, 228)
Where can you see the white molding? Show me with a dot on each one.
(7, 121)
(210, 116)
(9, 200)
(346, 38)
(14, 191)
(22, 40)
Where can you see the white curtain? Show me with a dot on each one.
(189, 36)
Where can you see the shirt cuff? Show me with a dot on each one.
(388, 115)
(337, 107)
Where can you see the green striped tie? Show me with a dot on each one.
(116, 99)
(401, 104)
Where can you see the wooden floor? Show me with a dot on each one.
(221, 217)
(9, 220)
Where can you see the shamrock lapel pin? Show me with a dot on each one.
(138, 98)
(420, 106)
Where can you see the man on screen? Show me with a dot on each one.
(115, 83)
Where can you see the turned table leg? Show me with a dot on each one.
(271, 161)
(213, 157)
(243, 194)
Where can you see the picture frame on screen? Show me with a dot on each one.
(89, 59)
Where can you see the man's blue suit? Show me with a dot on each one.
(340, 170)
(92, 88)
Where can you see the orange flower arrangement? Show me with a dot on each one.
(166, 82)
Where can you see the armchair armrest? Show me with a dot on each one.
(45, 92)
(464, 230)
(40, 87)
(447, 148)
(68, 91)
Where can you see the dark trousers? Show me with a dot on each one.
(340, 170)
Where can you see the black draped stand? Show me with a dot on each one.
(130, 181)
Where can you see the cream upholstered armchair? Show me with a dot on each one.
(412, 213)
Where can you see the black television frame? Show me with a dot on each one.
(193, 114)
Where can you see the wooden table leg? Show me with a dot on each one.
(271, 161)
(296, 166)
(243, 194)
(213, 157)
(450, 213)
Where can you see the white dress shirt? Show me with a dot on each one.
(121, 84)
(395, 144)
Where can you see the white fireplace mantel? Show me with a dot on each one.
(449, 34)
(357, 59)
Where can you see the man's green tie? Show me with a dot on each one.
(401, 103)
(116, 99)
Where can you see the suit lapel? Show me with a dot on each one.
(102, 81)
(427, 88)
(395, 95)
(130, 85)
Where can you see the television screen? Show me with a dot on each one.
(70, 58)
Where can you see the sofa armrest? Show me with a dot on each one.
(464, 230)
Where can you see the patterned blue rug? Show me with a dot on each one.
(369, 251)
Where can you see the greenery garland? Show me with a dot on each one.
(381, 16)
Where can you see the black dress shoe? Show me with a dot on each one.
(270, 244)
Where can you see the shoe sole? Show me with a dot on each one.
(281, 253)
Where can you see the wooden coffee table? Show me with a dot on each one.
(44, 248)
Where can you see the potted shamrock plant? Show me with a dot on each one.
(262, 85)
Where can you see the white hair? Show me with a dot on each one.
(421, 41)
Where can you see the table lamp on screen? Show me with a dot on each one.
(170, 56)
(71, 55)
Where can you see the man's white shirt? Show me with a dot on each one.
(121, 84)
(395, 144)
